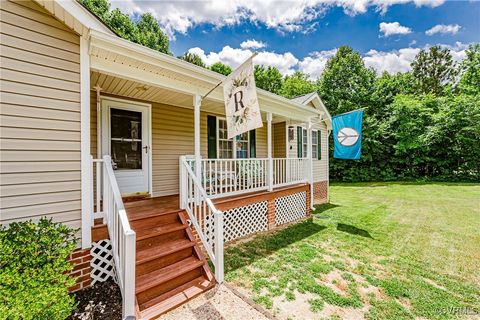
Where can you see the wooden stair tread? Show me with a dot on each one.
(159, 230)
(174, 298)
(162, 275)
(150, 212)
(162, 249)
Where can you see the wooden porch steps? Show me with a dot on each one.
(170, 267)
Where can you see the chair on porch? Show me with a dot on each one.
(250, 172)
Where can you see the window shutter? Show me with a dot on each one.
(299, 142)
(319, 145)
(212, 136)
(253, 143)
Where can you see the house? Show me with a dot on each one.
(115, 139)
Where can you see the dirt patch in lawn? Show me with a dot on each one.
(102, 301)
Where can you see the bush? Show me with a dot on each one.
(34, 277)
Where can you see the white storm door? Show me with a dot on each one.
(126, 138)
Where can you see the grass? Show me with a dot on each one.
(385, 251)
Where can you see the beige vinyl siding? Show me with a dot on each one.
(39, 117)
(172, 136)
(320, 167)
(279, 140)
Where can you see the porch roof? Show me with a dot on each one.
(175, 81)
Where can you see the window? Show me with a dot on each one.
(314, 144)
(242, 145)
(126, 138)
(229, 150)
(304, 142)
(225, 146)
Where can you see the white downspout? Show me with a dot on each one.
(99, 122)
(269, 151)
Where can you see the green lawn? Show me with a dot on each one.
(377, 251)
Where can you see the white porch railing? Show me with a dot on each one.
(225, 177)
(287, 171)
(109, 204)
(199, 206)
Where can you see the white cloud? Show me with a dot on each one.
(392, 28)
(393, 62)
(252, 44)
(314, 64)
(286, 16)
(284, 62)
(443, 29)
(399, 60)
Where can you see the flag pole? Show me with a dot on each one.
(341, 114)
(218, 84)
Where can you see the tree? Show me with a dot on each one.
(346, 84)
(100, 8)
(296, 85)
(221, 68)
(193, 58)
(268, 78)
(146, 31)
(469, 82)
(433, 69)
(121, 24)
(150, 34)
(387, 87)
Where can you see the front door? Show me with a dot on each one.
(126, 140)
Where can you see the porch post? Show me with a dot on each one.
(86, 164)
(197, 102)
(310, 160)
(269, 151)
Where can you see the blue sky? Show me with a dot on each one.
(302, 35)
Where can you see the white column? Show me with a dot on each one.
(269, 151)
(86, 163)
(197, 102)
(219, 243)
(310, 160)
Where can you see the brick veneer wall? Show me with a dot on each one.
(320, 192)
(80, 258)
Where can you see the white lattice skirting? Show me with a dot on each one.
(102, 261)
(239, 222)
(290, 208)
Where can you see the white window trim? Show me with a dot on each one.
(314, 132)
(234, 144)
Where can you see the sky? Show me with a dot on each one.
(301, 35)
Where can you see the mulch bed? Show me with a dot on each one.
(103, 301)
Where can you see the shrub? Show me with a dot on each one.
(34, 277)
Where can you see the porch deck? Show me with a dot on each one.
(144, 207)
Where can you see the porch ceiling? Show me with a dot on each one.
(123, 68)
(140, 91)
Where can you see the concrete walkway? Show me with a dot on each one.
(219, 303)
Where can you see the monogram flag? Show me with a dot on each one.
(241, 102)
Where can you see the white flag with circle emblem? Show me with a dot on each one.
(241, 102)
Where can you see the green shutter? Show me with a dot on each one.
(319, 145)
(299, 142)
(253, 143)
(212, 136)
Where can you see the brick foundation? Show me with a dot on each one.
(80, 258)
(320, 192)
(271, 214)
(309, 207)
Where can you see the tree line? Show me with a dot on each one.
(421, 124)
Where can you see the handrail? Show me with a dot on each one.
(199, 206)
(122, 238)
